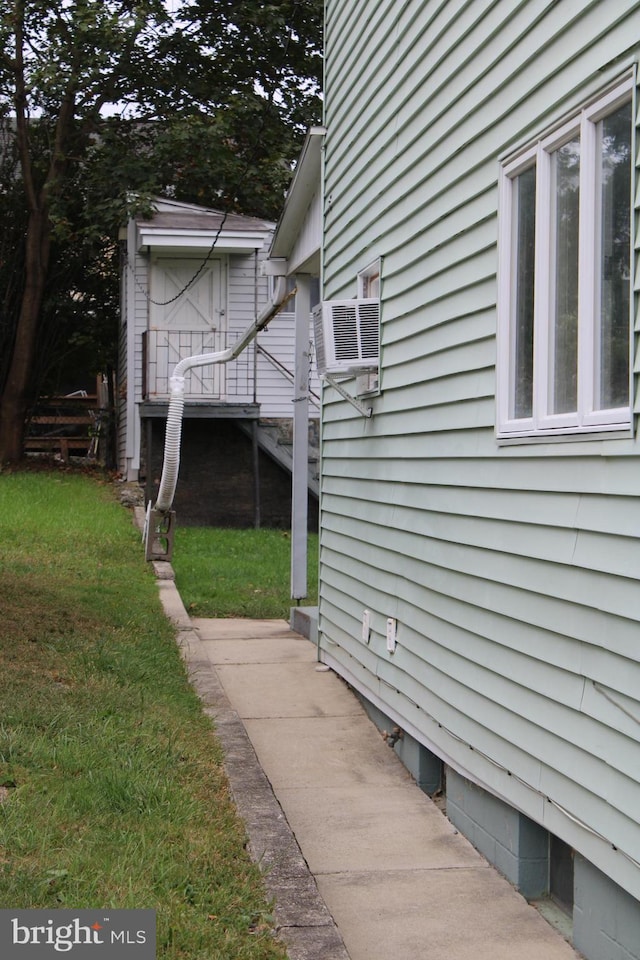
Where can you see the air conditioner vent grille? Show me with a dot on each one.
(347, 334)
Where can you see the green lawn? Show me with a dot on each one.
(112, 792)
(238, 573)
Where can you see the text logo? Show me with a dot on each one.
(78, 934)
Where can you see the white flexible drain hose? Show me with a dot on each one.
(171, 463)
(173, 435)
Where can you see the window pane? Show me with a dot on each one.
(615, 268)
(371, 285)
(525, 197)
(564, 334)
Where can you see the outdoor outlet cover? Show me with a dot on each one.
(391, 635)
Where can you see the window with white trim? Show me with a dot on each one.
(565, 285)
(369, 286)
(369, 280)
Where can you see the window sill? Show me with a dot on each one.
(566, 436)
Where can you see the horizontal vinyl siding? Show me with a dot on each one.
(435, 144)
(512, 570)
(275, 388)
(141, 318)
(246, 295)
(121, 395)
(243, 298)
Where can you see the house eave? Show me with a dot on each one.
(305, 183)
(197, 241)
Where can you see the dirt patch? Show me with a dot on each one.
(33, 611)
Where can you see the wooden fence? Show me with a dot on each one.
(66, 425)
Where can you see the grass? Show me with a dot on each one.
(112, 792)
(238, 573)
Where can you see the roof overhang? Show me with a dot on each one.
(193, 240)
(304, 186)
(185, 228)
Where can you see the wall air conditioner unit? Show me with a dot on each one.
(347, 335)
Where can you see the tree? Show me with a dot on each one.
(102, 101)
(90, 56)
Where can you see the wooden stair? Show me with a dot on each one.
(274, 439)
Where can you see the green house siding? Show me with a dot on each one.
(512, 570)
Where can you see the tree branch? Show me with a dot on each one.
(20, 102)
(63, 127)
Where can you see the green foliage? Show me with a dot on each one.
(123, 100)
(276, 46)
(238, 573)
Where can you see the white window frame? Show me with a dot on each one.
(585, 419)
(369, 285)
(369, 280)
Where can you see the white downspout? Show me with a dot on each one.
(171, 463)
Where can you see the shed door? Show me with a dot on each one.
(199, 307)
(187, 322)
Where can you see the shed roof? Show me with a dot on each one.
(187, 226)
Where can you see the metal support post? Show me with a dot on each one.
(300, 476)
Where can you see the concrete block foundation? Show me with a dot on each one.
(515, 845)
(606, 919)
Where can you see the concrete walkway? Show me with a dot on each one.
(361, 863)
